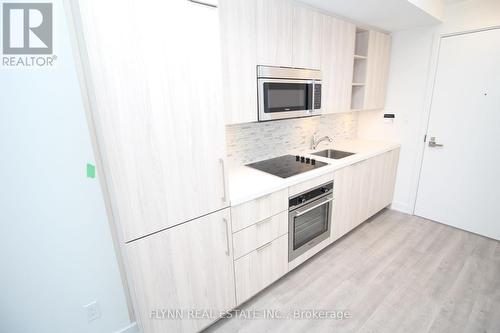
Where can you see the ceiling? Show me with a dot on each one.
(389, 15)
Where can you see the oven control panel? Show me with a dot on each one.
(310, 195)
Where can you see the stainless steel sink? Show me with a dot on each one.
(332, 153)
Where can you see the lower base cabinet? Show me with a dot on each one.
(362, 190)
(191, 269)
(260, 268)
(186, 268)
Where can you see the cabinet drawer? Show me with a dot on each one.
(260, 268)
(256, 235)
(308, 184)
(259, 209)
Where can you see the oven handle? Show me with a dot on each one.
(327, 199)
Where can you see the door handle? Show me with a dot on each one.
(263, 222)
(223, 168)
(226, 224)
(204, 3)
(308, 209)
(260, 248)
(432, 143)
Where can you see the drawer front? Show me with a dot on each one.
(259, 209)
(260, 268)
(309, 184)
(256, 235)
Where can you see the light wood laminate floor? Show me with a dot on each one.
(394, 273)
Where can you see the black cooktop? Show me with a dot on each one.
(287, 166)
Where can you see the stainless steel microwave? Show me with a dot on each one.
(285, 92)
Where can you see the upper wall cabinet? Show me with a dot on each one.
(336, 64)
(377, 70)
(253, 32)
(274, 33)
(354, 63)
(155, 99)
(371, 69)
(307, 40)
(239, 59)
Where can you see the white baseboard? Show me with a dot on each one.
(132, 328)
(402, 207)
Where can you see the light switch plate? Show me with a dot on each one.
(93, 311)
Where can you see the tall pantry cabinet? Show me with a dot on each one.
(151, 73)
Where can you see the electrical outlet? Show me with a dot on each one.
(93, 311)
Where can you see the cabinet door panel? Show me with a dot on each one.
(254, 236)
(360, 195)
(377, 73)
(344, 206)
(262, 208)
(189, 266)
(363, 189)
(380, 186)
(376, 184)
(274, 32)
(337, 64)
(239, 59)
(391, 160)
(307, 41)
(156, 106)
(260, 268)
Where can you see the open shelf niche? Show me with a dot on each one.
(359, 69)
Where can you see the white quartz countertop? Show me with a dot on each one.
(246, 183)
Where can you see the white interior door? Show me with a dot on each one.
(460, 181)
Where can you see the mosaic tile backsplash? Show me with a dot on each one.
(250, 142)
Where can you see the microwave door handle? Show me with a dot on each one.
(300, 212)
(312, 96)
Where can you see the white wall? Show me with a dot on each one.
(56, 252)
(432, 7)
(471, 14)
(413, 53)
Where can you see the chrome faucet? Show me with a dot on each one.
(315, 143)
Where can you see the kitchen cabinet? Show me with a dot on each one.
(377, 70)
(309, 184)
(259, 234)
(238, 30)
(260, 242)
(154, 91)
(260, 268)
(187, 267)
(361, 198)
(343, 208)
(379, 183)
(351, 199)
(363, 189)
(307, 40)
(260, 226)
(274, 32)
(253, 32)
(286, 33)
(336, 64)
(370, 70)
(251, 212)
(384, 171)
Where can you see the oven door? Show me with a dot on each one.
(309, 225)
(282, 98)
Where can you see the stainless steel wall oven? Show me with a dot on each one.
(309, 219)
